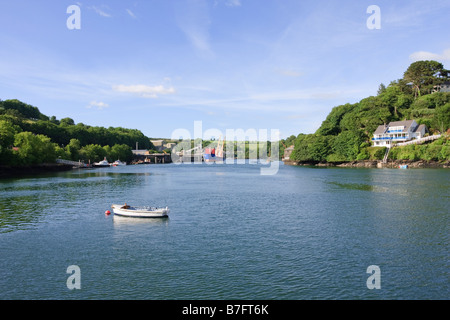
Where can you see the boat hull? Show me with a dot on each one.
(133, 212)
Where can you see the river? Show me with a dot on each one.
(303, 233)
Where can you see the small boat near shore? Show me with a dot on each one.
(103, 163)
(118, 163)
(140, 212)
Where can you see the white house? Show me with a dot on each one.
(398, 131)
(443, 87)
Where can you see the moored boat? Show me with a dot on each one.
(140, 212)
(103, 163)
(118, 163)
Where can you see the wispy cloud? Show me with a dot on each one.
(101, 11)
(194, 21)
(131, 13)
(425, 55)
(144, 90)
(412, 13)
(233, 3)
(228, 3)
(266, 100)
(289, 72)
(98, 104)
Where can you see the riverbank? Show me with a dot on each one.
(20, 171)
(373, 164)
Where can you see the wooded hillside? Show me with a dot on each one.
(345, 134)
(29, 137)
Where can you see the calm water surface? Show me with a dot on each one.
(304, 233)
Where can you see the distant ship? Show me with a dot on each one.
(213, 155)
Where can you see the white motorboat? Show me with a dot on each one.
(140, 212)
(103, 163)
(118, 163)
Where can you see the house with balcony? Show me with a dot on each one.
(398, 131)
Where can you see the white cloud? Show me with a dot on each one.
(288, 73)
(144, 90)
(228, 3)
(101, 11)
(100, 105)
(424, 55)
(194, 21)
(233, 3)
(131, 13)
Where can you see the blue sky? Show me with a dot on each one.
(160, 65)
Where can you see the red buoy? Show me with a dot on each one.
(107, 212)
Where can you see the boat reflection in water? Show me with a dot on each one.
(121, 221)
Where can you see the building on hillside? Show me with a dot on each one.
(443, 87)
(287, 152)
(142, 152)
(161, 145)
(158, 143)
(170, 145)
(398, 131)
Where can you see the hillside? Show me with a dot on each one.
(345, 134)
(28, 137)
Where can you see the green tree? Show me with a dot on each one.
(34, 149)
(347, 144)
(381, 89)
(92, 153)
(319, 148)
(312, 147)
(7, 132)
(423, 75)
(24, 109)
(61, 153)
(121, 152)
(431, 152)
(67, 122)
(300, 152)
(441, 118)
(108, 153)
(57, 133)
(445, 153)
(331, 125)
(73, 149)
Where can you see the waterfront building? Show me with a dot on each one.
(288, 152)
(398, 131)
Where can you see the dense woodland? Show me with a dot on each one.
(345, 135)
(28, 137)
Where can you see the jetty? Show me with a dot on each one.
(150, 158)
(74, 164)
